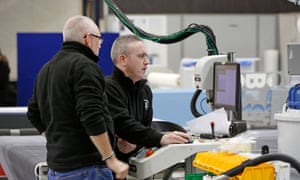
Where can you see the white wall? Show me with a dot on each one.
(162, 54)
(260, 31)
(288, 34)
(248, 35)
(31, 16)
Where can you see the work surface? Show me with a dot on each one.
(20, 154)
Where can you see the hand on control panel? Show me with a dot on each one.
(175, 137)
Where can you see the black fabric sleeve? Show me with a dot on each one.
(126, 126)
(90, 99)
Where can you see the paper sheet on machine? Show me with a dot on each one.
(202, 123)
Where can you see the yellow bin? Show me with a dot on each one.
(220, 162)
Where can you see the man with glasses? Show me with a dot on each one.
(69, 107)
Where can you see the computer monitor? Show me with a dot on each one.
(227, 88)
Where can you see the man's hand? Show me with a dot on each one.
(175, 137)
(124, 146)
(118, 167)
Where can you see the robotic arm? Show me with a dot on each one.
(204, 79)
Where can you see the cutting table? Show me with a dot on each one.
(19, 155)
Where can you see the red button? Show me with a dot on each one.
(149, 152)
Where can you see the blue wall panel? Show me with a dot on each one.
(35, 49)
(105, 61)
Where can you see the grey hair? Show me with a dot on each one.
(120, 46)
(77, 27)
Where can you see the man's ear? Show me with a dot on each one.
(122, 59)
(86, 42)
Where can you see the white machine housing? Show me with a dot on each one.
(204, 71)
(143, 167)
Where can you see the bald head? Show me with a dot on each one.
(77, 27)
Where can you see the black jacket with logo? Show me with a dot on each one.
(130, 106)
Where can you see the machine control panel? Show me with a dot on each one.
(150, 161)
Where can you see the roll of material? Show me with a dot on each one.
(271, 60)
(164, 79)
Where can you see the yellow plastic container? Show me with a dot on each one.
(220, 162)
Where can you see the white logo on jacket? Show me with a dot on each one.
(146, 104)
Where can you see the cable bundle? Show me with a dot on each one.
(167, 39)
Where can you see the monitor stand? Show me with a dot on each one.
(237, 124)
(236, 127)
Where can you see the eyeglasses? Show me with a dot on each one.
(94, 35)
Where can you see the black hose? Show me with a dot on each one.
(193, 103)
(167, 39)
(261, 159)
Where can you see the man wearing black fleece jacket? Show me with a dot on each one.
(69, 107)
(130, 100)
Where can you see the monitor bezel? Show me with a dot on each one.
(236, 107)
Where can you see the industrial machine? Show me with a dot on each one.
(219, 77)
(288, 120)
(288, 123)
(204, 75)
(150, 161)
(209, 76)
